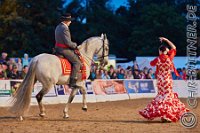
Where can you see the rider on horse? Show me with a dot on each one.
(66, 47)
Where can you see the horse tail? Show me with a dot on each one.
(22, 98)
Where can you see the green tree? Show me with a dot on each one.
(28, 25)
(44, 16)
(153, 21)
(8, 23)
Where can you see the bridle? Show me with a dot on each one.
(103, 51)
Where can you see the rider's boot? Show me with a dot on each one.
(73, 83)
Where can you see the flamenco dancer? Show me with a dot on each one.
(166, 104)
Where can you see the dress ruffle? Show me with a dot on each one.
(164, 105)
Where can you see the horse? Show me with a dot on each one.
(47, 69)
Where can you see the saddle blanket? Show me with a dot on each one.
(66, 67)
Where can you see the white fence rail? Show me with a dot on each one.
(98, 91)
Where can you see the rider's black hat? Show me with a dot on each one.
(66, 17)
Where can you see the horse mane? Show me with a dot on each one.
(86, 43)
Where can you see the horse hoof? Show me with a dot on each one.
(84, 109)
(65, 116)
(42, 114)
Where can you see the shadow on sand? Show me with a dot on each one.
(37, 118)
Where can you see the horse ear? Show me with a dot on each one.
(105, 36)
(102, 35)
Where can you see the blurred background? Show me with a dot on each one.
(132, 26)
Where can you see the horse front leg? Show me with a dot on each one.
(83, 90)
(71, 97)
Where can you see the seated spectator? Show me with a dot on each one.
(128, 68)
(114, 76)
(12, 61)
(10, 67)
(142, 75)
(121, 74)
(129, 75)
(1, 71)
(135, 66)
(174, 77)
(98, 74)
(92, 74)
(111, 71)
(184, 75)
(14, 74)
(19, 64)
(24, 72)
(101, 72)
(145, 71)
(25, 60)
(119, 67)
(94, 67)
(105, 75)
(150, 74)
(4, 71)
(4, 57)
(136, 74)
(180, 73)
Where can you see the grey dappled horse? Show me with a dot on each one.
(46, 68)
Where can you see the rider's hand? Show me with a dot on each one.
(76, 51)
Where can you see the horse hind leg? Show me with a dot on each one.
(39, 98)
(71, 97)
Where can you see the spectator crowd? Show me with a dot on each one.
(133, 72)
(16, 68)
(13, 68)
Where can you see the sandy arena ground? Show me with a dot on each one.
(108, 117)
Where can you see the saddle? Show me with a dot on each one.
(67, 66)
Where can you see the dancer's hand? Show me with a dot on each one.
(163, 39)
(168, 41)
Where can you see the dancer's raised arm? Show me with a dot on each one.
(168, 41)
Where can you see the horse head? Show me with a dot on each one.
(98, 46)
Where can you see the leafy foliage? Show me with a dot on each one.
(133, 30)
